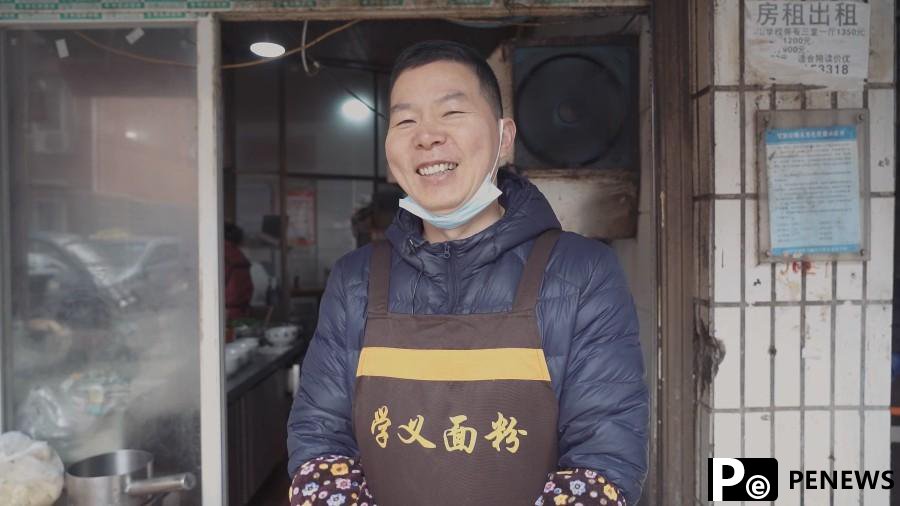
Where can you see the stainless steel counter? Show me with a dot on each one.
(261, 367)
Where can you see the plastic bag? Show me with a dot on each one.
(31, 473)
(72, 408)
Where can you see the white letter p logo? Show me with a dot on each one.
(718, 483)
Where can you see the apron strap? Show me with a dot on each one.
(379, 277)
(533, 273)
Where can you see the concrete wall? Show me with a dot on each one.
(806, 370)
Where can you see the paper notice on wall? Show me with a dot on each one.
(813, 190)
(301, 213)
(824, 43)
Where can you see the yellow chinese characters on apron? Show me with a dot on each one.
(455, 409)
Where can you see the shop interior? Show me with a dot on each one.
(103, 209)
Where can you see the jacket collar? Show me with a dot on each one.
(528, 214)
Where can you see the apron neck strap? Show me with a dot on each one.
(533, 273)
(379, 277)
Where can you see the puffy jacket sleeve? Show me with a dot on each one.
(320, 422)
(604, 402)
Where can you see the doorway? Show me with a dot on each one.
(304, 134)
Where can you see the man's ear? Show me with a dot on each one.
(507, 141)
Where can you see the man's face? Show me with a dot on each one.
(443, 135)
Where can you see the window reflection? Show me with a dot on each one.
(104, 350)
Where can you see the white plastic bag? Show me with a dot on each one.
(31, 473)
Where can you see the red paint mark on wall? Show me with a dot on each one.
(803, 266)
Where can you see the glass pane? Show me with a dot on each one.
(329, 131)
(105, 342)
(258, 214)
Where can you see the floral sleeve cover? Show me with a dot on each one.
(579, 487)
(332, 480)
(335, 480)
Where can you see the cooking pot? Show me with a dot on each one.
(120, 478)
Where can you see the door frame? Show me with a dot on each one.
(673, 433)
(680, 436)
(213, 419)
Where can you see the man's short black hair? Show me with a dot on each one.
(430, 51)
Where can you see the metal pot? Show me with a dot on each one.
(120, 478)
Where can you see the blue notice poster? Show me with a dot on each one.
(813, 186)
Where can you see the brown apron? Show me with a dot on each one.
(455, 409)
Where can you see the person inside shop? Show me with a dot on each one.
(238, 283)
(479, 355)
(369, 223)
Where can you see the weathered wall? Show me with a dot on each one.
(806, 370)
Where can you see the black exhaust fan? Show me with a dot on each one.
(576, 106)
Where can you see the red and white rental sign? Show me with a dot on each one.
(823, 43)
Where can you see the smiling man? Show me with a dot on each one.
(479, 355)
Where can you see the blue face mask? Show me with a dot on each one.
(486, 194)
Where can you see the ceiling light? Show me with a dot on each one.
(354, 110)
(267, 49)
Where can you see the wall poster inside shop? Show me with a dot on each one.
(812, 175)
(807, 42)
(301, 213)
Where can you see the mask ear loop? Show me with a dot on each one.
(495, 171)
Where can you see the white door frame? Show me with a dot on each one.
(213, 429)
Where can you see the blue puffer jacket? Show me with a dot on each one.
(586, 318)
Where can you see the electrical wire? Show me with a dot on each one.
(303, 53)
(302, 47)
(352, 94)
(128, 54)
(161, 61)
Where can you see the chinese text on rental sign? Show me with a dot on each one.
(807, 42)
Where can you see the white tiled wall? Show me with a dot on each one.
(878, 355)
(786, 376)
(882, 140)
(806, 374)
(726, 68)
(787, 450)
(846, 451)
(757, 335)
(816, 448)
(727, 143)
(847, 360)
(727, 251)
(727, 329)
(816, 353)
(881, 267)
